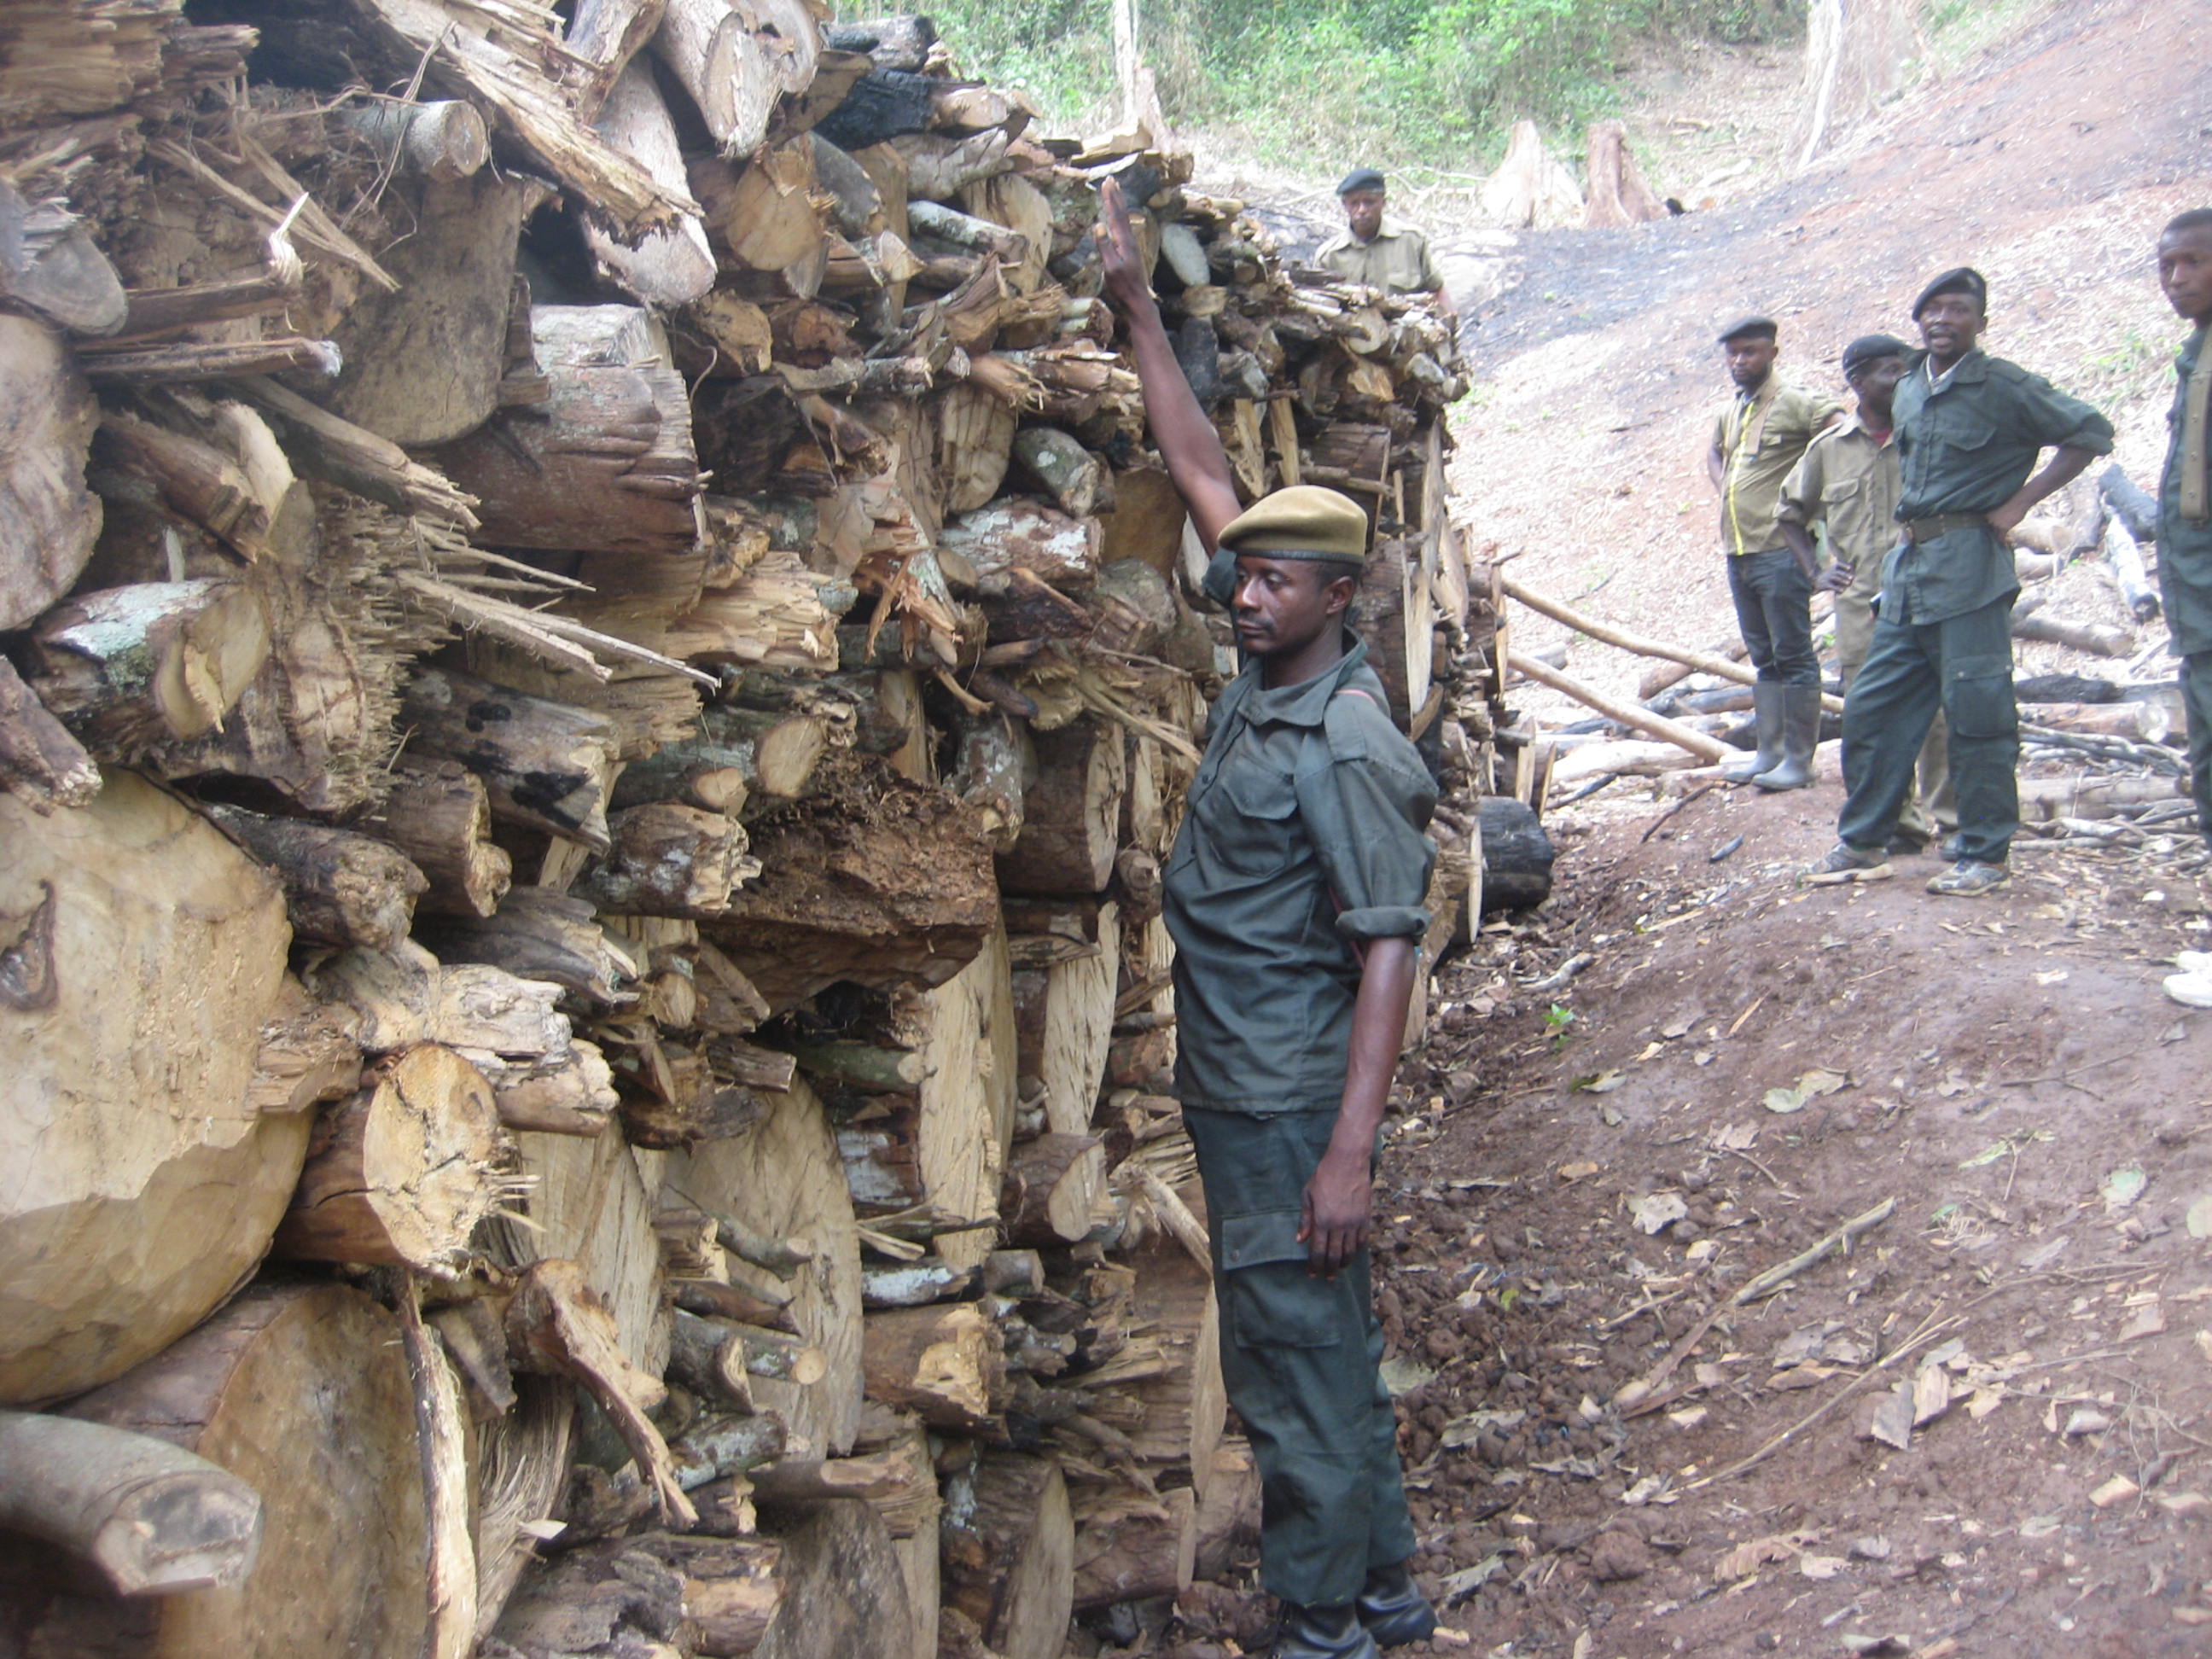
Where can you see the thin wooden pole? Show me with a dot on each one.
(1628, 713)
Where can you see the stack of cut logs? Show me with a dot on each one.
(596, 686)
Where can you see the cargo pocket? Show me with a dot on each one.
(1272, 1299)
(1978, 698)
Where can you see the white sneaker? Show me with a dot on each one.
(2192, 989)
(2193, 962)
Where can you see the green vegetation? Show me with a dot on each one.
(1432, 83)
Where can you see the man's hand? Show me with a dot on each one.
(1837, 577)
(2005, 519)
(1335, 1215)
(1119, 256)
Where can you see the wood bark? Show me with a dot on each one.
(152, 1518)
(140, 954)
(1130, 1546)
(943, 1362)
(965, 1034)
(1517, 855)
(592, 1202)
(670, 267)
(1070, 812)
(631, 1596)
(1618, 193)
(1532, 186)
(48, 519)
(1397, 617)
(1010, 1553)
(843, 1591)
(540, 934)
(1229, 1514)
(1051, 1184)
(340, 888)
(128, 668)
(439, 814)
(607, 464)
(765, 215)
(1064, 1016)
(401, 1173)
(668, 860)
(736, 61)
(300, 1392)
(424, 365)
(39, 760)
(1018, 533)
(1186, 1403)
(544, 764)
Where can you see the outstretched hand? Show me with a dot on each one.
(1119, 256)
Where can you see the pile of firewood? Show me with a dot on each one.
(597, 684)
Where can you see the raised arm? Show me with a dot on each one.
(1186, 437)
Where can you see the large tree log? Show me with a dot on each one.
(668, 860)
(1186, 1403)
(670, 267)
(129, 668)
(964, 1031)
(736, 61)
(1228, 1524)
(140, 951)
(766, 214)
(301, 1393)
(1130, 1546)
(592, 1202)
(1855, 58)
(423, 365)
(1070, 812)
(340, 888)
(606, 466)
(1018, 533)
(1532, 186)
(1010, 1553)
(1395, 615)
(2125, 557)
(631, 1597)
(1516, 855)
(151, 1518)
(537, 933)
(1063, 1010)
(842, 1591)
(401, 1173)
(545, 763)
(783, 1181)
(898, 890)
(48, 519)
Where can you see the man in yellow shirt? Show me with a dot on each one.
(1379, 250)
(1757, 440)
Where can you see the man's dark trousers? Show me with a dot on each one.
(1963, 665)
(2197, 705)
(1774, 612)
(1299, 1359)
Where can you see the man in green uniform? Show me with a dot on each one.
(1969, 429)
(2185, 527)
(1377, 249)
(1757, 439)
(1848, 481)
(1294, 895)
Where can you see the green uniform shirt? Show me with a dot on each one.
(1397, 260)
(1302, 840)
(2184, 550)
(1966, 446)
(1761, 439)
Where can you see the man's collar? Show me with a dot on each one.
(1854, 421)
(1974, 366)
(1306, 703)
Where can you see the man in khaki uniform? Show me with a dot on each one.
(1379, 250)
(1850, 481)
(1757, 440)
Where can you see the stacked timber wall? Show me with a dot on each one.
(596, 685)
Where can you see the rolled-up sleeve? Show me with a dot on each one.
(1365, 811)
(1803, 489)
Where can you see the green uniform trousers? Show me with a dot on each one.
(2197, 705)
(1932, 812)
(1962, 665)
(1301, 1357)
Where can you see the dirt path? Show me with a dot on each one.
(1612, 1459)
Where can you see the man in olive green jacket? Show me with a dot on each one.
(1294, 895)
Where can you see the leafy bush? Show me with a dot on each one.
(1391, 81)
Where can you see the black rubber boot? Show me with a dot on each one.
(1766, 706)
(1394, 1610)
(1801, 732)
(1321, 1633)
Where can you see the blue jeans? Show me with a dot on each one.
(1774, 609)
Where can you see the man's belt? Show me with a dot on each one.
(1927, 530)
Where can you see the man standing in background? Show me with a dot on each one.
(1848, 481)
(1379, 252)
(1969, 429)
(1757, 440)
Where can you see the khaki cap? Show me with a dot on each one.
(1302, 522)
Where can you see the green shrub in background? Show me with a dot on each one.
(1434, 82)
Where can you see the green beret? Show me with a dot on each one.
(1302, 522)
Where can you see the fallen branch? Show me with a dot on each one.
(1703, 662)
(1643, 720)
(1838, 1240)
